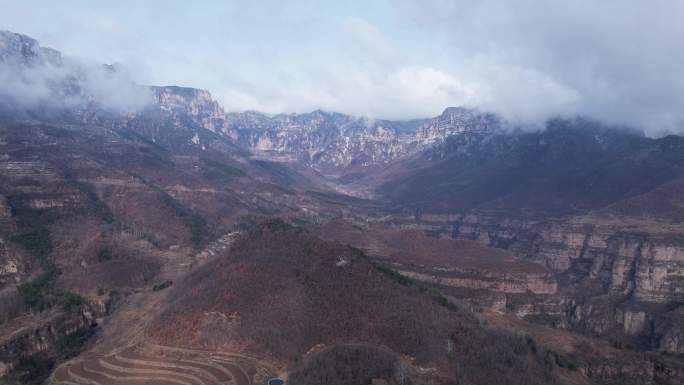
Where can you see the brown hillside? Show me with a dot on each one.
(413, 246)
(282, 291)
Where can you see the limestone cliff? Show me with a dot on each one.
(192, 103)
(617, 276)
(335, 144)
(29, 346)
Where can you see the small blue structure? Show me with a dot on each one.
(276, 381)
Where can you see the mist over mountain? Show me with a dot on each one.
(37, 77)
(566, 58)
(393, 60)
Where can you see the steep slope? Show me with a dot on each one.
(573, 165)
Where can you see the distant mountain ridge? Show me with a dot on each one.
(336, 144)
(329, 142)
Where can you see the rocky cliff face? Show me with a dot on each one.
(643, 260)
(335, 143)
(523, 282)
(620, 278)
(457, 120)
(21, 49)
(41, 81)
(192, 103)
(319, 139)
(640, 260)
(28, 352)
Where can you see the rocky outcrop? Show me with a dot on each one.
(11, 264)
(522, 282)
(50, 336)
(320, 139)
(619, 371)
(668, 330)
(457, 120)
(6, 222)
(192, 103)
(21, 49)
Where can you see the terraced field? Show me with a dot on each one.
(123, 355)
(138, 366)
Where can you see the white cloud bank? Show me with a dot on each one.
(36, 78)
(621, 61)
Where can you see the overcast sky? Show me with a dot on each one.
(617, 60)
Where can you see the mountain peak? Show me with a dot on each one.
(458, 110)
(22, 49)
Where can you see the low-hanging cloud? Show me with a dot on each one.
(621, 61)
(33, 77)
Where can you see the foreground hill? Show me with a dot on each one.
(281, 292)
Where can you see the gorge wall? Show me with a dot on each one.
(618, 277)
